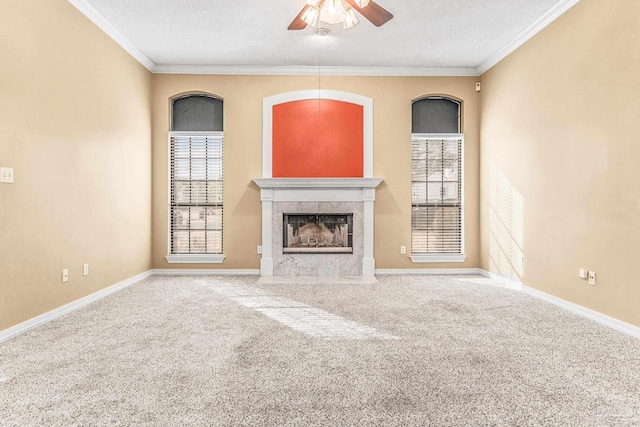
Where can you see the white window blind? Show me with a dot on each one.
(436, 196)
(196, 192)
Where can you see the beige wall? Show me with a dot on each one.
(243, 158)
(75, 123)
(83, 123)
(560, 159)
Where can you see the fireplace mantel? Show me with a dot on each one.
(274, 190)
(308, 183)
(317, 189)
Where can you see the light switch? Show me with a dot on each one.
(6, 175)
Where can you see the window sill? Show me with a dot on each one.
(195, 259)
(424, 258)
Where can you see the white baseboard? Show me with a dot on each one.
(603, 319)
(68, 308)
(429, 271)
(204, 272)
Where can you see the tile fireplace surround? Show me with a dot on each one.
(317, 195)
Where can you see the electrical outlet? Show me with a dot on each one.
(65, 275)
(6, 175)
(403, 250)
(259, 249)
(592, 278)
(85, 269)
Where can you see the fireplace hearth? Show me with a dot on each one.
(317, 233)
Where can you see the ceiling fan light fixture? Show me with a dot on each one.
(335, 7)
(350, 19)
(332, 11)
(310, 17)
(317, 12)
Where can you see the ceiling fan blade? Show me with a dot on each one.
(298, 23)
(373, 12)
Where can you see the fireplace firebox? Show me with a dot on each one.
(317, 233)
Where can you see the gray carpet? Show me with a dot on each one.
(221, 351)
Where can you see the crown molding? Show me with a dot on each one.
(102, 23)
(519, 40)
(316, 70)
(527, 34)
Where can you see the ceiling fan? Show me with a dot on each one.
(336, 11)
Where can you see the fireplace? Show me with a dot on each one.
(306, 230)
(317, 233)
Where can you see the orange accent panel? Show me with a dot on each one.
(317, 139)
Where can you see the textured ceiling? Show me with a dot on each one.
(423, 33)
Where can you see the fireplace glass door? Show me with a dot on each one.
(317, 233)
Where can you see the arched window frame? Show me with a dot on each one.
(196, 181)
(443, 243)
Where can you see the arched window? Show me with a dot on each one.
(437, 148)
(196, 113)
(435, 114)
(196, 145)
